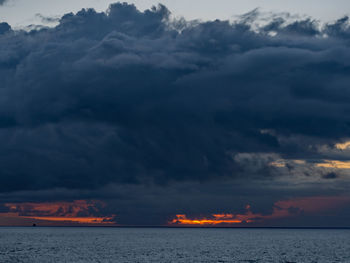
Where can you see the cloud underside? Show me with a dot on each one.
(125, 97)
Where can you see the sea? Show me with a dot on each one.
(109, 244)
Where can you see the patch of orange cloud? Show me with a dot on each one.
(214, 219)
(278, 163)
(223, 216)
(334, 164)
(342, 146)
(70, 209)
(281, 209)
(217, 219)
(78, 212)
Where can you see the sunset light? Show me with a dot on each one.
(77, 212)
(215, 220)
(281, 209)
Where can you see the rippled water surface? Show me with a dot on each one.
(61, 244)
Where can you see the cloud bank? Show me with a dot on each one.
(132, 98)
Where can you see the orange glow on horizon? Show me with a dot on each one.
(91, 212)
(80, 220)
(281, 209)
(216, 220)
(76, 212)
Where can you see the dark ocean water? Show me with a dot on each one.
(44, 244)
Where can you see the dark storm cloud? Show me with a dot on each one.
(128, 97)
(330, 175)
(4, 28)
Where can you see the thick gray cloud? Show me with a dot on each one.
(119, 96)
(130, 97)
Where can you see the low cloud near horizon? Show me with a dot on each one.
(158, 117)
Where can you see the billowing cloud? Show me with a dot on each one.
(134, 99)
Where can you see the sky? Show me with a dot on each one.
(21, 13)
(136, 117)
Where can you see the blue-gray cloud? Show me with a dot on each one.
(129, 97)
